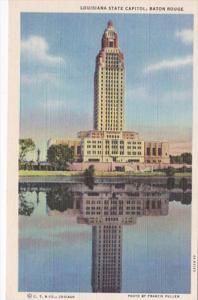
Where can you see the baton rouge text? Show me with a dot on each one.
(132, 8)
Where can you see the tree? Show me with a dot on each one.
(90, 171)
(183, 184)
(25, 146)
(184, 158)
(187, 158)
(26, 207)
(170, 183)
(170, 171)
(60, 155)
(59, 198)
(187, 198)
(89, 177)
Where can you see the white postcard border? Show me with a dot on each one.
(16, 7)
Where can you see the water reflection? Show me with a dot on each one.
(26, 207)
(107, 208)
(59, 198)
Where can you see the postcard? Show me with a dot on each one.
(102, 150)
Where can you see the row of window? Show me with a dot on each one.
(134, 147)
(107, 202)
(111, 124)
(94, 152)
(108, 91)
(112, 96)
(115, 101)
(114, 153)
(153, 151)
(109, 71)
(113, 73)
(134, 153)
(115, 142)
(110, 113)
(110, 88)
(94, 146)
(113, 57)
(111, 209)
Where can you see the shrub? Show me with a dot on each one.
(170, 171)
(183, 184)
(170, 183)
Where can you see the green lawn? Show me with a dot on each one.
(128, 173)
(49, 173)
(97, 173)
(185, 174)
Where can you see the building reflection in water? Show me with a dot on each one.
(107, 207)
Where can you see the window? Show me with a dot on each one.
(78, 149)
(148, 151)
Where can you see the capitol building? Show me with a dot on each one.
(108, 141)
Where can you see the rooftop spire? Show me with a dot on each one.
(109, 24)
(110, 37)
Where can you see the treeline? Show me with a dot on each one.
(170, 171)
(58, 156)
(184, 158)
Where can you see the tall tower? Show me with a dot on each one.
(109, 84)
(107, 258)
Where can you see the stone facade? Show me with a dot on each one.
(156, 152)
(112, 150)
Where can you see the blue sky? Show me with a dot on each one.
(57, 66)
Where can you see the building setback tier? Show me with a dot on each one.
(115, 149)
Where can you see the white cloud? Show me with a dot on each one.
(36, 48)
(169, 64)
(185, 35)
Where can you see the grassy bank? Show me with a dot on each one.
(28, 173)
(48, 173)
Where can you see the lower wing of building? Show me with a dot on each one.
(121, 147)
